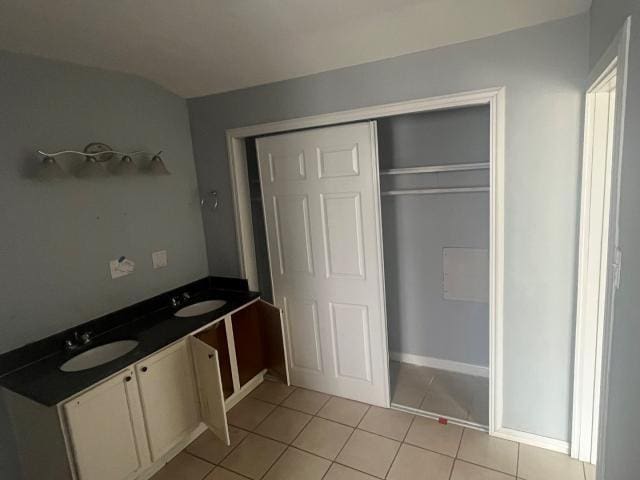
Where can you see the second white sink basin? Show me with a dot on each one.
(200, 308)
(98, 355)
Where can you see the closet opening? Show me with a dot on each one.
(434, 180)
(412, 192)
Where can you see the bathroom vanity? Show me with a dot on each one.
(128, 423)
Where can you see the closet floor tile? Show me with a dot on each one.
(254, 456)
(184, 467)
(386, 422)
(495, 453)
(298, 465)
(210, 448)
(306, 401)
(467, 471)
(283, 424)
(429, 434)
(272, 392)
(323, 437)
(222, 474)
(249, 413)
(540, 464)
(418, 464)
(340, 472)
(341, 410)
(369, 453)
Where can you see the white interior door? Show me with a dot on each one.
(321, 200)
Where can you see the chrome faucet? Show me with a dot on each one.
(180, 299)
(77, 341)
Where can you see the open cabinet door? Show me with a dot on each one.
(212, 408)
(274, 340)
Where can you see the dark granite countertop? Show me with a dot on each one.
(34, 370)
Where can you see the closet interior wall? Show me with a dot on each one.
(257, 221)
(424, 327)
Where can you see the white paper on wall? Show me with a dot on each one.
(465, 274)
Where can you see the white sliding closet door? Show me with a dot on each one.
(321, 201)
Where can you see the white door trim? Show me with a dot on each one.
(593, 242)
(495, 98)
(615, 59)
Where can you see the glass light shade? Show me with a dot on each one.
(50, 170)
(157, 166)
(125, 166)
(91, 169)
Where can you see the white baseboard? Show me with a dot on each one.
(533, 440)
(450, 365)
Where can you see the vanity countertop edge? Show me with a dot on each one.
(151, 322)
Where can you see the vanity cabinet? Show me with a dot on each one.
(259, 342)
(231, 358)
(106, 430)
(168, 397)
(128, 426)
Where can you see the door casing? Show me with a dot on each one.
(495, 99)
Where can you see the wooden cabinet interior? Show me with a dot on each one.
(259, 344)
(216, 337)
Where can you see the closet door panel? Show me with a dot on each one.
(350, 335)
(323, 230)
(342, 235)
(293, 234)
(304, 334)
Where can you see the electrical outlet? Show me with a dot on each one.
(121, 267)
(159, 259)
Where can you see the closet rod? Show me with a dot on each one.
(433, 191)
(456, 167)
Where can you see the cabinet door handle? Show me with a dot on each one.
(127, 378)
(144, 369)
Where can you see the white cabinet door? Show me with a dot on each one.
(321, 200)
(168, 395)
(106, 430)
(212, 408)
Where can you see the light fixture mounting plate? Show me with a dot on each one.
(98, 147)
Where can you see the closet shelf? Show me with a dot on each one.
(433, 191)
(456, 167)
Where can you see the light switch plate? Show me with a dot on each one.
(121, 267)
(159, 259)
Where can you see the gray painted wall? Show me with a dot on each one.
(544, 70)
(417, 227)
(57, 238)
(622, 451)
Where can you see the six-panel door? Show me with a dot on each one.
(168, 396)
(106, 430)
(322, 215)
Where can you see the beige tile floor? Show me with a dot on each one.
(288, 433)
(450, 394)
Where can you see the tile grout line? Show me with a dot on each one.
(372, 433)
(455, 459)
(413, 417)
(518, 461)
(289, 445)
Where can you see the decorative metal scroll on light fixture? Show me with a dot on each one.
(95, 155)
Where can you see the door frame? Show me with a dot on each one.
(493, 97)
(613, 61)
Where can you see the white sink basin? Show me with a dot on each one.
(98, 355)
(200, 308)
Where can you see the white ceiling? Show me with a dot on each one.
(197, 47)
